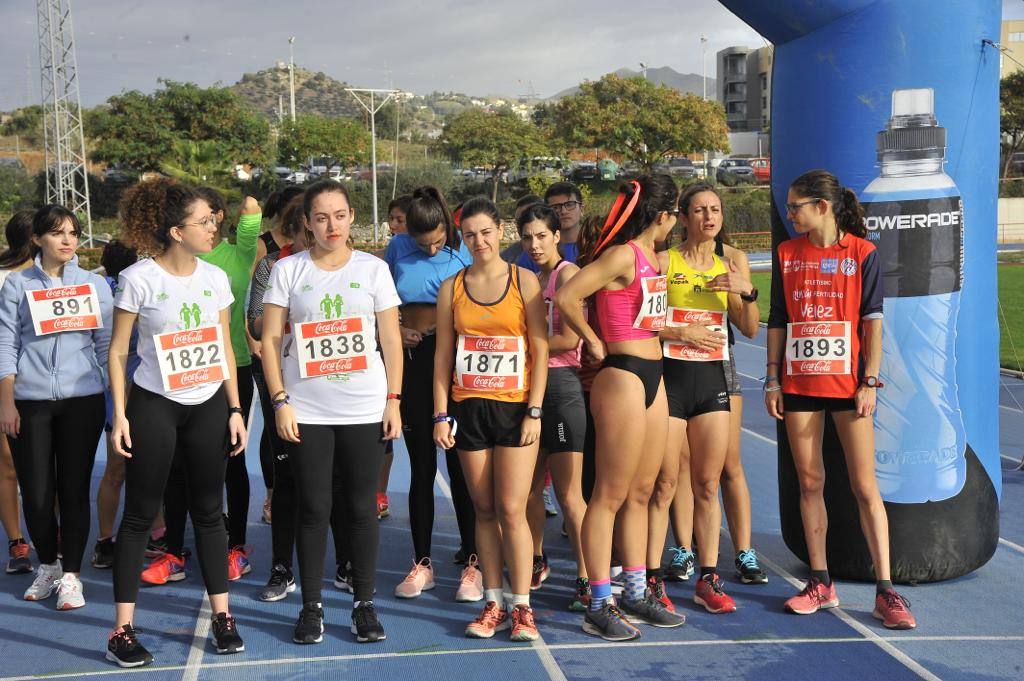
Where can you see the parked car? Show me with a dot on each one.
(681, 167)
(762, 169)
(584, 171)
(734, 171)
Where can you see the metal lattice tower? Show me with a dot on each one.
(67, 179)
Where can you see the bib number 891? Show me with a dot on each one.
(71, 306)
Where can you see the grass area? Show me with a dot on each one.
(1011, 299)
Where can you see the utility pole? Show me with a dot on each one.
(372, 107)
(643, 70)
(291, 73)
(67, 179)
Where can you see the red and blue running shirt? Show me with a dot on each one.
(819, 296)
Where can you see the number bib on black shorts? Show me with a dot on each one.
(64, 308)
(490, 364)
(325, 348)
(817, 348)
(191, 358)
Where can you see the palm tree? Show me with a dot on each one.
(198, 162)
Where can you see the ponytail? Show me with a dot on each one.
(849, 213)
(821, 184)
(428, 209)
(635, 209)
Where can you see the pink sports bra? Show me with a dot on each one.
(566, 358)
(636, 312)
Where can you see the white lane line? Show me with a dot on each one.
(752, 345)
(201, 631)
(835, 640)
(547, 660)
(1007, 542)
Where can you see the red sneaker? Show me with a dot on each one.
(383, 506)
(814, 597)
(524, 628)
(894, 610)
(166, 568)
(238, 563)
(657, 587)
(711, 595)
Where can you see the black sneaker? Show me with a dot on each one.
(309, 628)
(365, 624)
(748, 569)
(103, 554)
(461, 557)
(225, 635)
(280, 584)
(156, 547)
(649, 610)
(343, 578)
(124, 648)
(609, 623)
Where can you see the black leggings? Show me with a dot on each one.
(417, 419)
(236, 480)
(269, 444)
(197, 436)
(337, 465)
(53, 457)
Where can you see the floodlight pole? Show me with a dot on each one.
(291, 74)
(372, 107)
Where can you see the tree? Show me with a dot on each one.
(345, 141)
(1011, 116)
(200, 162)
(495, 140)
(139, 131)
(641, 121)
(26, 123)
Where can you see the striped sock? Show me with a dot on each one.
(600, 593)
(634, 582)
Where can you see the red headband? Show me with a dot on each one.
(607, 234)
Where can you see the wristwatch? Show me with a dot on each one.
(750, 297)
(871, 382)
(236, 410)
(534, 412)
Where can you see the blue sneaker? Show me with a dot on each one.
(680, 566)
(748, 569)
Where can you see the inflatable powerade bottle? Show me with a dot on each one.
(914, 216)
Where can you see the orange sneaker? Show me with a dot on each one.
(238, 563)
(815, 596)
(894, 610)
(493, 618)
(524, 628)
(383, 506)
(166, 568)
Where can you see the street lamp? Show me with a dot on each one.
(643, 70)
(291, 73)
(704, 79)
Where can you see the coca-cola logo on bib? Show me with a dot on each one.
(62, 292)
(817, 330)
(488, 383)
(819, 367)
(696, 317)
(195, 377)
(187, 337)
(69, 323)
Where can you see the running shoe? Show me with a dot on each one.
(166, 568)
(471, 583)
(225, 634)
(524, 628)
(123, 647)
(748, 569)
(45, 583)
(309, 628)
(343, 578)
(280, 584)
(267, 516)
(493, 618)
(365, 624)
(419, 579)
(69, 592)
(710, 594)
(103, 554)
(656, 585)
(815, 596)
(609, 623)
(550, 510)
(680, 565)
(19, 562)
(649, 610)
(238, 563)
(581, 601)
(383, 506)
(894, 610)
(156, 547)
(541, 571)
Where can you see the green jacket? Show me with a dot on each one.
(237, 259)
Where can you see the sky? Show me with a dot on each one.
(468, 46)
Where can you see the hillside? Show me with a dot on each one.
(662, 75)
(315, 93)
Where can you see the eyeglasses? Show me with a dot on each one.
(565, 206)
(792, 208)
(206, 223)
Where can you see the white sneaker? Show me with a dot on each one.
(471, 584)
(45, 583)
(69, 593)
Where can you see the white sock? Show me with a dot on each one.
(493, 595)
(521, 599)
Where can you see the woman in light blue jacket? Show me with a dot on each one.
(55, 321)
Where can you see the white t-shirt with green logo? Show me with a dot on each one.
(338, 310)
(168, 303)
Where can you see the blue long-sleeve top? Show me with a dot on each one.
(55, 366)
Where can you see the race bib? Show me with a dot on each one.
(191, 358)
(817, 348)
(715, 321)
(651, 316)
(490, 363)
(64, 308)
(335, 346)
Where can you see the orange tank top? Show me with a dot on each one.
(492, 354)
